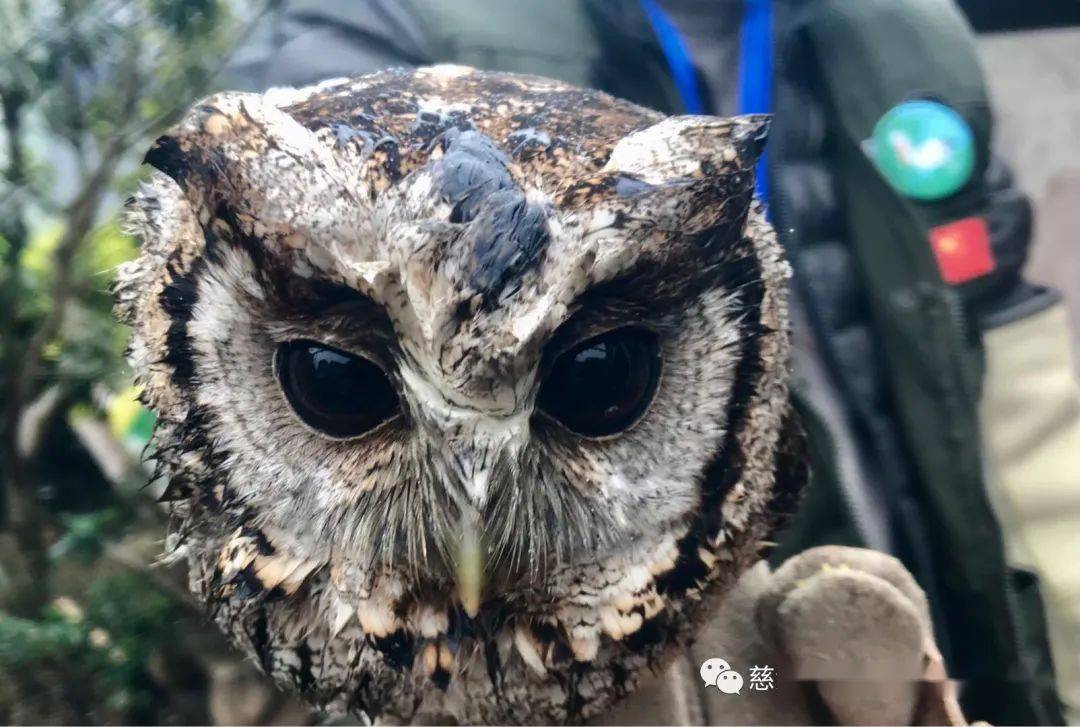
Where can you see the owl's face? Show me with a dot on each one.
(466, 382)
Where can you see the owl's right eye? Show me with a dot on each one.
(334, 392)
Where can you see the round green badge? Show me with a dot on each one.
(924, 149)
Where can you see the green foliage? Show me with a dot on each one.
(102, 651)
(140, 619)
(82, 74)
(187, 19)
(80, 58)
(85, 535)
(89, 351)
(106, 248)
(90, 346)
(24, 643)
(35, 273)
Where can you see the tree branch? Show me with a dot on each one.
(12, 102)
(82, 214)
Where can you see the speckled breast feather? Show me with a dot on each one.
(459, 228)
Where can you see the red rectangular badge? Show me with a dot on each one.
(962, 249)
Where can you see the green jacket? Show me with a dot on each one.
(858, 60)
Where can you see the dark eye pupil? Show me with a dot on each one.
(605, 384)
(334, 392)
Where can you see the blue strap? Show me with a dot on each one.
(678, 56)
(756, 71)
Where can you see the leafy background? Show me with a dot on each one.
(92, 630)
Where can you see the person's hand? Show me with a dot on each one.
(853, 625)
(843, 634)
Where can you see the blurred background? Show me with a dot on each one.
(92, 631)
(1035, 87)
(92, 628)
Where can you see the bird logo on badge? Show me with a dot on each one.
(924, 149)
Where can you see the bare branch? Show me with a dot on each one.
(112, 459)
(35, 420)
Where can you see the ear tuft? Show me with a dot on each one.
(281, 182)
(750, 134)
(690, 147)
(166, 156)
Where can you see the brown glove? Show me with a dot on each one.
(835, 636)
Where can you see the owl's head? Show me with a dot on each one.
(463, 379)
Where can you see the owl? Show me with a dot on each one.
(470, 386)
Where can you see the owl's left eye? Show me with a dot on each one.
(334, 392)
(603, 386)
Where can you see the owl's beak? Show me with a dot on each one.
(471, 442)
(488, 441)
(469, 568)
(476, 460)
